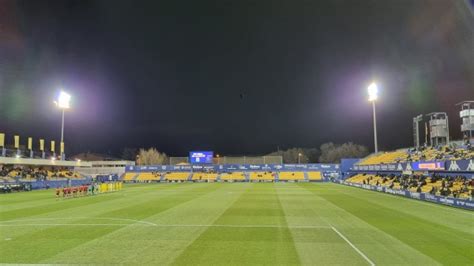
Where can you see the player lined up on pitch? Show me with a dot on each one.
(87, 190)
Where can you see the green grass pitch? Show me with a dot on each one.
(233, 224)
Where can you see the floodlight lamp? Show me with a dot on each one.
(373, 92)
(63, 100)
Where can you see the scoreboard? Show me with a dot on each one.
(197, 157)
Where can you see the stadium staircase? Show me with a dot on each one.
(135, 178)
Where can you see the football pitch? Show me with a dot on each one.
(238, 224)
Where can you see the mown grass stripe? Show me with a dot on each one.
(441, 243)
(234, 224)
(61, 205)
(239, 246)
(353, 246)
(153, 245)
(377, 244)
(36, 244)
(321, 246)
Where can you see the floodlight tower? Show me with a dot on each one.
(439, 128)
(63, 103)
(373, 95)
(467, 116)
(416, 130)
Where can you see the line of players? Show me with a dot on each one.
(87, 190)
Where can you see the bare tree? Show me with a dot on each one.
(333, 153)
(151, 157)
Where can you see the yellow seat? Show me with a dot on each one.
(149, 176)
(237, 176)
(262, 176)
(177, 176)
(129, 176)
(385, 157)
(315, 176)
(291, 176)
(204, 176)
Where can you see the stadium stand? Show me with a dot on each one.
(441, 153)
(235, 176)
(62, 173)
(177, 176)
(147, 176)
(129, 176)
(204, 176)
(262, 176)
(224, 176)
(385, 157)
(291, 176)
(456, 187)
(37, 173)
(315, 176)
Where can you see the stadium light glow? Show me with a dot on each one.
(63, 103)
(373, 91)
(64, 100)
(373, 95)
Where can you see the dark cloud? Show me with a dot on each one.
(233, 76)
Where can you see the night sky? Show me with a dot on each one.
(237, 77)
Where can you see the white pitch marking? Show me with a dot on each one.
(156, 225)
(73, 218)
(352, 245)
(19, 225)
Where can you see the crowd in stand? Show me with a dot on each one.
(452, 186)
(38, 173)
(440, 153)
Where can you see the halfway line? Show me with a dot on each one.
(169, 225)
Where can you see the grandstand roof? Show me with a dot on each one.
(42, 162)
(90, 156)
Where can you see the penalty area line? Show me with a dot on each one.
(353, 246)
